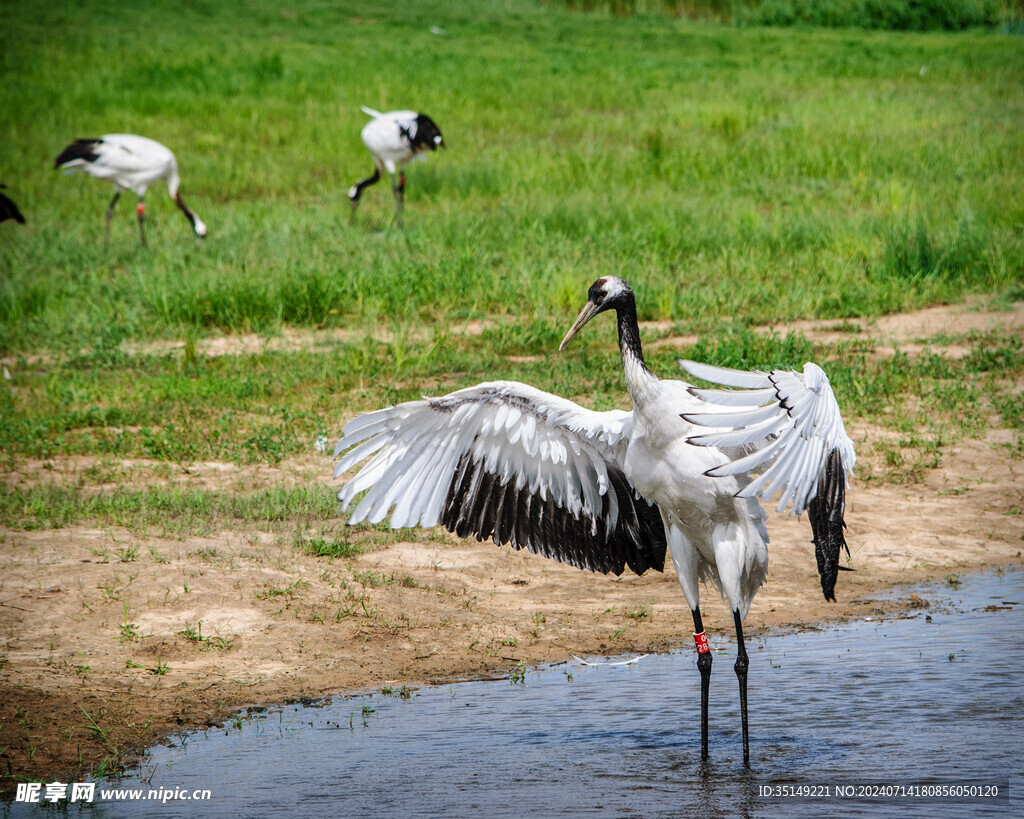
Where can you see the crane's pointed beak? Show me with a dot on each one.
(586, 314)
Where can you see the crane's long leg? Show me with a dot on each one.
(141, 211)
(356, 191)
(110, 215)
(704, 666)
(741, 674)
(399, 197)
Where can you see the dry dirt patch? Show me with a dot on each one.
(906, 332)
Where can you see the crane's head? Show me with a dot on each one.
(607, 293)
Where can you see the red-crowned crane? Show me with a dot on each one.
(8, 210)
(131, 163)
(393, 139)
(606, 490)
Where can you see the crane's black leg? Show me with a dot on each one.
(357, 190)
(741, 674)
(704, 666)
(110, 215)
(400, 198)
(141, 211)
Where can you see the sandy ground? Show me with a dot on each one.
(113, 639)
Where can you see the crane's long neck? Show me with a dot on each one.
(189, 213)
(173, 181)
(638, 377)
(173, 185)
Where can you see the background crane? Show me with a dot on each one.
(393, 139)
(131, 163)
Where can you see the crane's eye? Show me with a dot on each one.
(598, 291)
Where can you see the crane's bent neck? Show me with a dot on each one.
(173, 180)
(638, 376)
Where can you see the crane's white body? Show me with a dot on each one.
(713, 535)
(131, 163)
(386, 137)
(547, 445)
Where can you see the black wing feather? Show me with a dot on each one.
(825, 511)
(479, 504)
(79, 149)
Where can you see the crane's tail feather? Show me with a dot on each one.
(370, 112)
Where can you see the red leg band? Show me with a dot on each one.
(702, 643)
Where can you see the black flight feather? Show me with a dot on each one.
(79, 149)
(478, 503)
(826, 515)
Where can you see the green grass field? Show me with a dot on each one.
(736, 176)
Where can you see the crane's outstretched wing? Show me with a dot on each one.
(507, 462)
(790, 424)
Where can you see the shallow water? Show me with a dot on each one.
(897, 702)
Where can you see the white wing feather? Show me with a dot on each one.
(793, 423)
(516, 432)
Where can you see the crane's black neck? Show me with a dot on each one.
(189, 214)
(629, 333)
